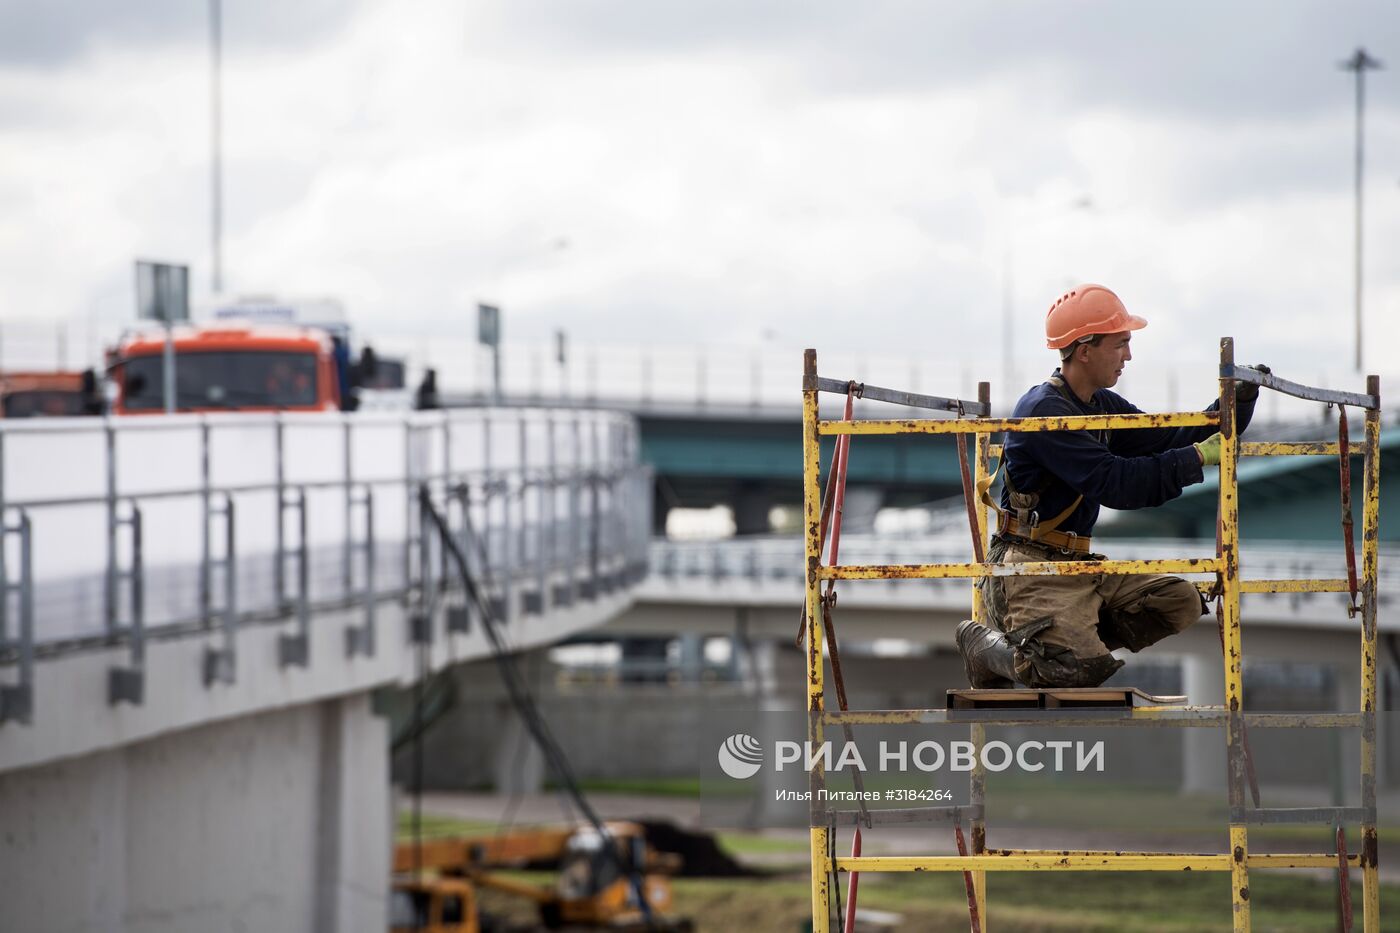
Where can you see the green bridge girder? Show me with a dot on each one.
(703, 461)
(772, 451)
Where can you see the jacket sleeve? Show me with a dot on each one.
(1140, 441)
(1094, 471)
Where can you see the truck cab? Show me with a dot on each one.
(230, 366)
(49, 394)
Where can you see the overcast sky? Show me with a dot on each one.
(863, 175)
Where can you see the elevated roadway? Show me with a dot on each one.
(200, 611)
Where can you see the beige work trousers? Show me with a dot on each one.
(1088, 615)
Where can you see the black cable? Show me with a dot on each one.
(524, 701)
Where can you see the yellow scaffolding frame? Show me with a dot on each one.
(1224, 565)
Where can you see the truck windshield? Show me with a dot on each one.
(223, 379)
(41, 402)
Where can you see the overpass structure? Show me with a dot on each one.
(199, 610)
(712, 628)
(706, 451)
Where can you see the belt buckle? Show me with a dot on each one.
(1035, 520)
(1073, 539)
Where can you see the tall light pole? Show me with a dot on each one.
(216, 181)
(1359, 64)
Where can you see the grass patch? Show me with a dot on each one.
(741, 844)
(652, 787)
(435, 824)
(1013, 801)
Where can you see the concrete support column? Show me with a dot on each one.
(518, 764)
(751, 508)
(1347, 742)
(643, 659)
(354, 818)
(761, 675)
(1203, 751)
(275, 821)
(660, 506)
(692, 657)
(861, 506)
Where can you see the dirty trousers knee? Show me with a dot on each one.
(1064, 628)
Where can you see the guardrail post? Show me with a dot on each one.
(410, 509)
(347, 569)
(279, 566)
(444, 577)
(590, 586)
(549, 539)
(109, 588)
(4, 566)
(459, 616)
(127, 684)
(531, 600)
(206, 570)
(420, 621)
(360, 639)
(17, 699)
(219, 663)
(568, 590)
(295, 649)
(506, 604)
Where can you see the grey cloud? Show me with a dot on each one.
(1211, 60)
(53, 33)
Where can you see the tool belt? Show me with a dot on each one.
(1008, 526)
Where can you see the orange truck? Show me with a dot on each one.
(232, 366)
(47, 394)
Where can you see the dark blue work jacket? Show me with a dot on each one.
(1135, 469)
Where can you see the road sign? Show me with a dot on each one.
(162, 292)
(488, 325)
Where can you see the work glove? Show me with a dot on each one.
(1209, 449)
(1248, 391)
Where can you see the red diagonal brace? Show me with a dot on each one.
(970, 498)
(1348, 538)
(1343, 880)
(973, 917)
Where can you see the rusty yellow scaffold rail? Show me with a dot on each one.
(1223, 567)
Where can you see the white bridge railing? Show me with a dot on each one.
(771, 567)
(119, 528)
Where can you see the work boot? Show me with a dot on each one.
(988, 658)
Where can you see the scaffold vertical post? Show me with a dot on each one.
(1370, 531)
(812, 505)
(1229, 550)
(977, 796)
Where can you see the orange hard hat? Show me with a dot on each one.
(1084, 311)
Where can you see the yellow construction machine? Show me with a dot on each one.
(436, 881)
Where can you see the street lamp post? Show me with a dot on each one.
(1359, 64)
(216, 181)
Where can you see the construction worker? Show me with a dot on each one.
(1051, 631)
